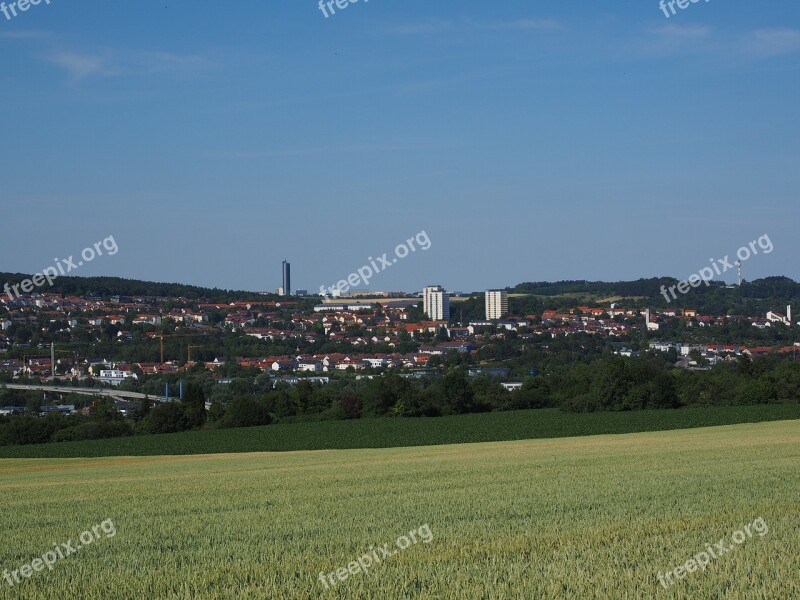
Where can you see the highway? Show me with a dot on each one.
(111, 393)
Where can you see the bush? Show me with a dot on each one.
(247, 411)
(93, 430)
(195, 405)
(757, 391)
(216, 413)
(169, 417)
(27, 430)
(582, 403)
(534, 393)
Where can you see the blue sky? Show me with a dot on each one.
(530, 140)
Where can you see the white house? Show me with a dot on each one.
(349, 362)
(374, 363)
(115, 376)
(662, 346)
(283, 365)
(309, 366)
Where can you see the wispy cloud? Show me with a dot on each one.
(166, 61)
(526, 25)
(741, 48)
(80, 66)
(765, 43)
(353, 148)
(422, 28)
(24, 35)
(443, 26)
(683, 31)
(668, 41)
(83, 65)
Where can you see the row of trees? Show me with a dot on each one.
(610, 384)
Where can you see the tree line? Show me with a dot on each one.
(608, 384)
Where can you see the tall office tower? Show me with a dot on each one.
(496, 304)
(287, 278)
(436, 303)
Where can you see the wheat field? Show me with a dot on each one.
(588, 517)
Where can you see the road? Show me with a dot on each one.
(110, 393)
(115, 394)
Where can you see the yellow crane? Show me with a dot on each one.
(172, 335)
(190, 351)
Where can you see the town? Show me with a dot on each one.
(149, 343)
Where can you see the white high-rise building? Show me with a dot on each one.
(496, 304)
(436, 303)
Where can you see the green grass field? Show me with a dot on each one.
(588, 517)
(387, 433)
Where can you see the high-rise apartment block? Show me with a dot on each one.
(436, 303)
(496, 304)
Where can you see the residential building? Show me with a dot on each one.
(490, 371)
(496, 304)
(309, 366)
(651, 325)
(436, 303)
(116, 376)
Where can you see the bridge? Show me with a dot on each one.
(113, 394)
(109, 393)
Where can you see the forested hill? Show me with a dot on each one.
(752, 298)
(105, 287)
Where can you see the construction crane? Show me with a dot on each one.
(52, 357)
(26, 358)
(171, 335)
(54, 352)
(190, 351)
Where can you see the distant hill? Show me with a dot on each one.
(106, 287)
(752, 298)
(641, 287)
